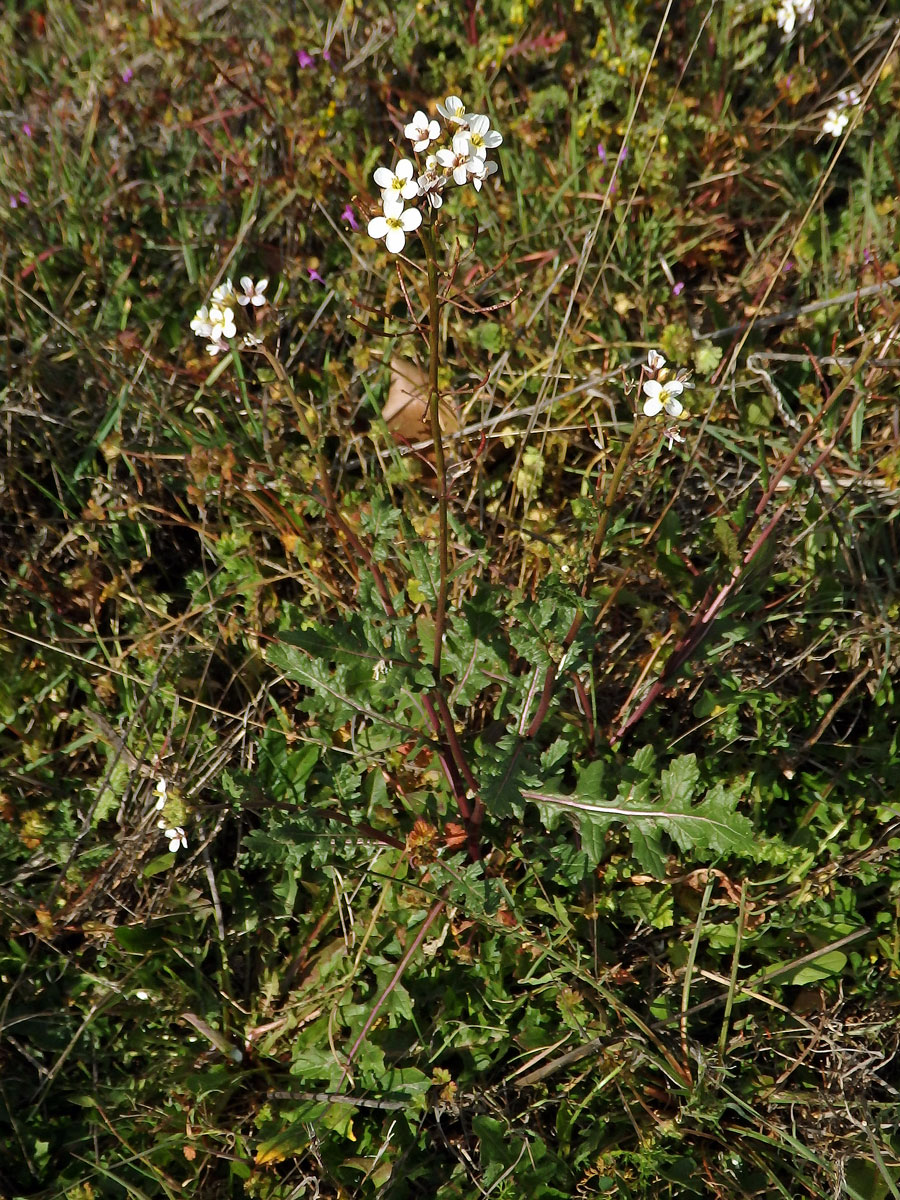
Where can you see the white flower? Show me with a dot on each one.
(223, 295)
(835, 122)
(252, 292)
(396, 223)
(663, 396)
(396, 185)
(200, 323)
(453, 111)
(431, 184)
(421, 132)
(177, 837)
(849, 98)
(161, 796)
(222, 322)
(655, 360)
(786, 17)
(481, 137)
(790, 11)
(456, 160)
(490, 168)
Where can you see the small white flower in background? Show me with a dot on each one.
(453, 111)
(396, 223)
(140, 994)
(849, 98)
(396, 185)
(663, 396)
(481, 137)
(422, 132)
(837, 118)
(672, 435)
(655, 360)
(253, 293)
(161, 796)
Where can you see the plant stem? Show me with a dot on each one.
(609, 500)
(440, 466)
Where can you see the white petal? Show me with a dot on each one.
(478, 124)
(673, 388)
(655, 360)
(411, 219)
(395, 240)
(404, 169)
(674, 407)
(377, 227)
(493, 139)
(246, 283)
(652, 407)
(652, 388)
(393, 206)
(409, 189)
(445, 158)
(384, 177)
(434, 130)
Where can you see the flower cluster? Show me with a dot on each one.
(175, 833)
(791, 11)
(215, 321)
(455, 153)
(662, 389)
(837, 117)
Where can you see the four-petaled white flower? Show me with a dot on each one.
(663, 396)
(396, 185)
(177, 837)
(456, 160)
(655, 360)
(396, 223)
(222, 324)
(481, 137)
(422, 132)
(453, 111)
(490, 168)
(253, 293)
(161, 796)
(790, 11)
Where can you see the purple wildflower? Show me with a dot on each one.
(347, 215)
(623, 154)
(305, 59)
(677, 289)
(788, 266)
(127, 75)
(26, 129)
(23, 198)
(601, 153)
(314, 274)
